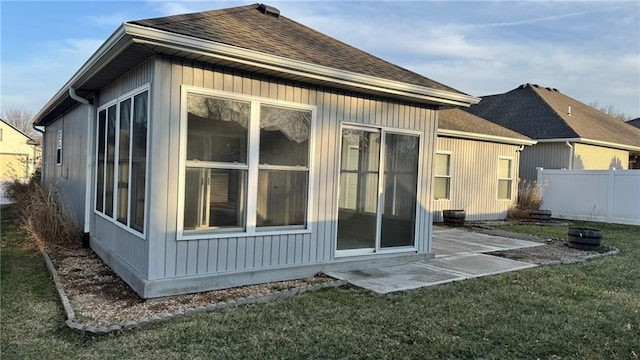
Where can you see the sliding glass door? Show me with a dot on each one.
(378, 189)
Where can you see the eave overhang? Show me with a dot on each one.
(484, 137)
(136, 43)
(593, 142)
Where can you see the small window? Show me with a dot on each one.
(442, 177)
(59, 148)
(505, 178)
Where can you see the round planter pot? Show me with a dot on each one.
(453, 217)
(584, 238)
(540, 215)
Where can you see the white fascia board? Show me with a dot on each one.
(97, 61)
(484, 137)
(593, 142)
(155, 37)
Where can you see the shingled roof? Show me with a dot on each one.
(456, 120)
(261, 28)
(545, 113)
(635, 122)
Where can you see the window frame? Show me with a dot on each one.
(252, 167)
(59, 147)
(129, 226)
(449, 176)
(510, 178)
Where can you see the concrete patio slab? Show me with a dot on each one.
(459, 256)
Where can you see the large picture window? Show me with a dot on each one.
(246, 164)
(121, 159)
(442, 177)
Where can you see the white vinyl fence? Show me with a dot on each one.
(611, 196)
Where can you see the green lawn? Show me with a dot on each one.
(583, 311)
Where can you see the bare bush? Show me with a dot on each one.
(529, 199)
(48, 224)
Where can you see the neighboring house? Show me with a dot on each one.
(634, 157)
(476, 166)
(236, 146)
(569, 134)
(19, 153)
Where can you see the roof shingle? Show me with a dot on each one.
(545, 113)
(248, 28)
(459, 120)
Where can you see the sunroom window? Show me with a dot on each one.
(121, 159)
(232, 142)
(216, 166)
(284, 166)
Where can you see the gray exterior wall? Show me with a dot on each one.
(69, 179)
(159, 264)
(125, 251)
(545, 155)
(171, 258)
(474, 178)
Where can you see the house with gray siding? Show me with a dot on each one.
(476, 166)
(569, 134)
(236, 146)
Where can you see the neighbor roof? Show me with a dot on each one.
(459, 123)
(16, 129)
(635, 122)
(253, 38)
(544, 113)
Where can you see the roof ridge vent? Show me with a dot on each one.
(269, 10)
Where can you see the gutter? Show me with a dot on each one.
(155, 37)
(485, 137)
(128, 34)
(96, 62)
(592, 142)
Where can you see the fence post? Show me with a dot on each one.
(610, 193)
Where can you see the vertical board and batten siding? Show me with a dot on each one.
(592, 157)
(544, 155)
(474, 178)
(69, 179)
(174, 258)
(123, 244)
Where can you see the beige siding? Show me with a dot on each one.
(171, 258)
(474, 178)
(591, 157)
(18, 159)
(544, 155)
(123, 246)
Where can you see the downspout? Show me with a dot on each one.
(74, 96)
(570, 154)
(87, 191)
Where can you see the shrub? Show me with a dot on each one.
(48, 223)
(529, 199)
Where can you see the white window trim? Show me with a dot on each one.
(498, 178)
(450, 176)
(114, 218)
(378, 249)
(252, 168)
(59, 140)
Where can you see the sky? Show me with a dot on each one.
(588, 50)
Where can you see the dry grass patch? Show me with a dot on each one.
(47, 222)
